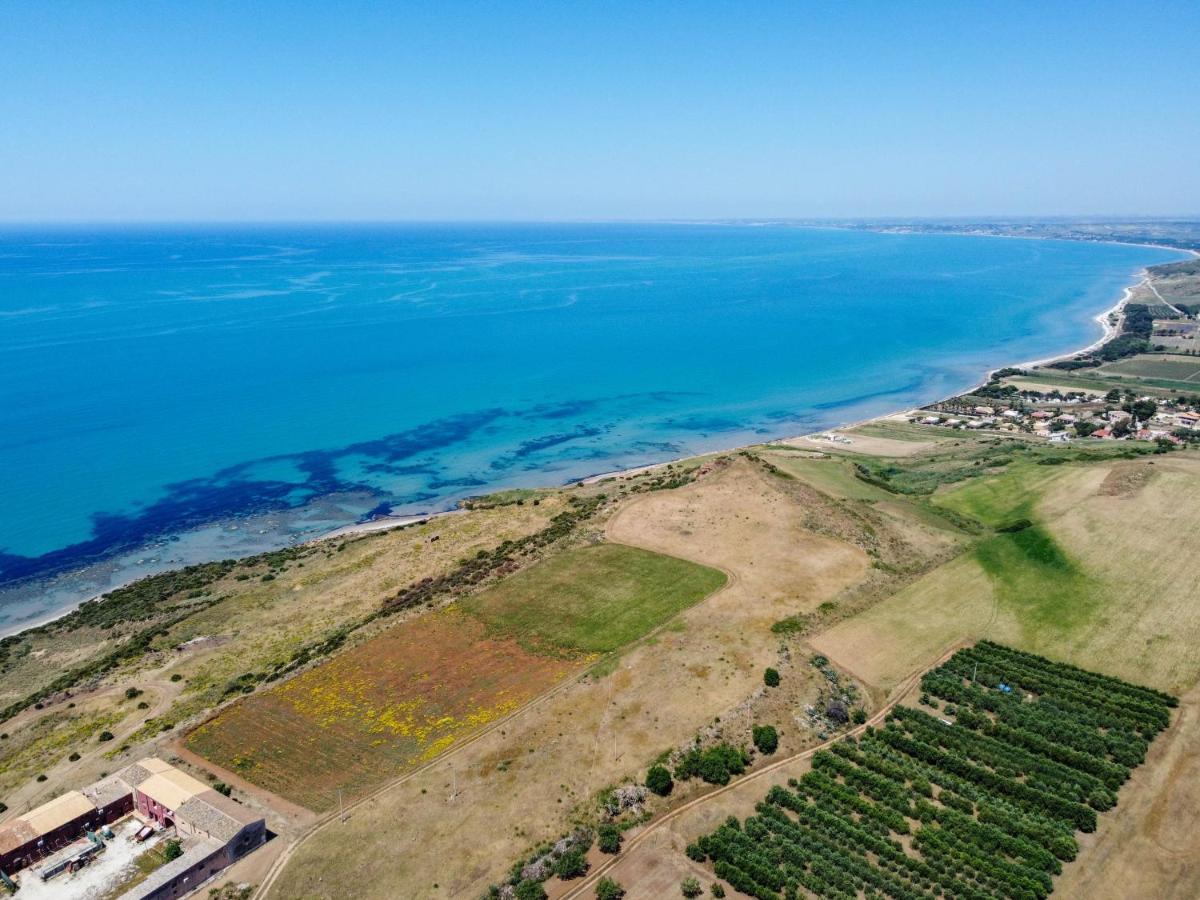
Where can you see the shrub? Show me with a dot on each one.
(766, 739)
(571, 864)
(105, 736)
(74, 757)
(132, 693)
(172, 849)
(530, 890)
(609, 838)
(222, 788)
(607, 889)
(658, 779)
(690, 887)
(714, 765)
(859, 716)
(41, 778)
(177, 677)
(771, 678)
(716, 890)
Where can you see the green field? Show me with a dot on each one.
(832, 476)
(998, 500)
(1103, 379)
(594, 599)
(1174, 368)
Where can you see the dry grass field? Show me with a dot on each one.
(526, 782)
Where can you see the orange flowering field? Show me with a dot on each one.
(376, 711)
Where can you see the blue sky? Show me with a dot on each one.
(579, 110)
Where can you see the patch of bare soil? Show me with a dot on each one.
(1148, 846)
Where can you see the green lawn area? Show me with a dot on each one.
(593, 599)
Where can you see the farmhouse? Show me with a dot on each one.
(214, 830)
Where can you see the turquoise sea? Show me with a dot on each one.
(171, 394)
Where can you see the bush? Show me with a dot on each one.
(222, 788)
(74, 757)
(105, 736)
(859, 716)
(530, 890)
(571, 864)
(607, 889)
(177, 677)
(771, 678)
(609, 838)
(658, 779)
(172, 849)
(715, 765)
(690, 887)
(766, 739)
(716, 890)
(41, 778)
(132, 693)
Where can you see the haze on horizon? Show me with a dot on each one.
(357, 111)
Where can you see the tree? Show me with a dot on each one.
(1113, 396)
(1142, 410)
(658, 779)
(530, 890)
(766, 739)
(607, 889)
(172, 849)
(771, 678)
(690, 887)
(610, 838)
(572, 864)
(859, 716)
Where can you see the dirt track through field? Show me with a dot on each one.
(642, 836)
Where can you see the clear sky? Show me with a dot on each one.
(580, 110)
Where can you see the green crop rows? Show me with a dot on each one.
(979, 798)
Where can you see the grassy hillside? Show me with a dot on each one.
(593, 599)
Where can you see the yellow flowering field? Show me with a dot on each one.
(376, 711)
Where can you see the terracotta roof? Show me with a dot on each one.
(172, 788)
(106, 792)
(58, 812)
(16, 834)
(215, 815)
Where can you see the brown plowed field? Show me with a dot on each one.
(369, 714)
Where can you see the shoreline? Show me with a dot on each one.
(388, 523)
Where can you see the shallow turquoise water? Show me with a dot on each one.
(153, 381)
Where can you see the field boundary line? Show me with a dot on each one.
(333, 816)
